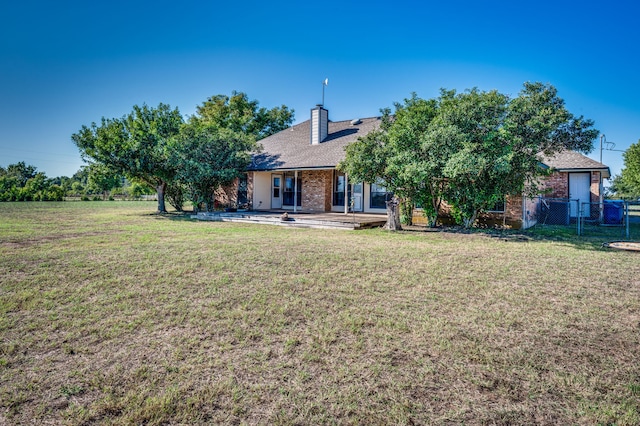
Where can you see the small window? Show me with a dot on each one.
(243, 199)
(498, 207)
(276, 187)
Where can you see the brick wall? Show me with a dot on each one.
(557, 185)
(316, 190)
(510, 218)
(595, 187)
(328, 190)
(513, 211)
(227, 195)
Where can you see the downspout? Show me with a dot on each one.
(295, 191)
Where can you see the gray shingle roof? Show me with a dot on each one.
(292, 149)
(572, 160)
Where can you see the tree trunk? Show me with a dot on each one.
(469, 221)
(406, 212)
(160, 189)
(436, 202)
(393, 215)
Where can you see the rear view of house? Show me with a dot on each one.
(296, 169)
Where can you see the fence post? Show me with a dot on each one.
(579, 219)
(626, 207)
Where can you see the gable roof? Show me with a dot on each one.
(291, 149)
(572, 161)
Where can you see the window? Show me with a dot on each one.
(379, 196)
(497, 207)
(339, 180)
(243, 200)
(291, 191)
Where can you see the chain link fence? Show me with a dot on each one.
(611, 220)
(557, 212)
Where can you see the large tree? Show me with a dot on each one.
(412, 162)
(214, 146)
(367, 160)
(476, 166)
(472, 148)
(207, 157)
(399, 154)
(102, 179)
(135, 145)
(240, 114)
(501, 141)
(627, 183)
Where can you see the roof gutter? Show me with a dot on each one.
(606, 171)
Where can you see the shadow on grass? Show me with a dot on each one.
(592, 238)
(182, 216)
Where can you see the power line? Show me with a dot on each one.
(12, 150)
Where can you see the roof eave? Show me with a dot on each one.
(606, 172)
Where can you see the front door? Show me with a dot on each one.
(580, 189)
(356, 193)
(276, 191)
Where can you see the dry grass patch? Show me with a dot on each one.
(111, 315)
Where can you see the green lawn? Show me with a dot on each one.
(112, 315)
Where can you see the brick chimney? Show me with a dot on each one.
(319, 124)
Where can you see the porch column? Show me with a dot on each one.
(346, 194)
(295, 191)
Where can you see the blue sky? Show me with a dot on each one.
(68, 63)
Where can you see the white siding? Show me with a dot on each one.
(262, 190)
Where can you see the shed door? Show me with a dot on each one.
(580, 189)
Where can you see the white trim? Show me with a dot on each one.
(346, 194)
(279, 176)
(366, 200)
(295, 191)
(604, 171)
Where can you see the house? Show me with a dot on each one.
(575, 180)
(577, 177)
(296, 171)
